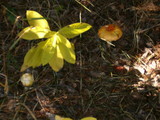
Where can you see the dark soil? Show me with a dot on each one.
(99, 84)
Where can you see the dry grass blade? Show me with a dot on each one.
(30, 112)
(6, 87)
(83, 6)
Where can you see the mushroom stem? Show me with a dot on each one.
(110, 44)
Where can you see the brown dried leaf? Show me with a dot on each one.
(150, 6)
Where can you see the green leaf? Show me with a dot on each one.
(89, 118)
(57, 61)
(48, 49)
(31, 59)
(50, 34)
(40, 55)
(31, 33)
(35, 19)
(66, 48)
(57, 117)
(74, 30)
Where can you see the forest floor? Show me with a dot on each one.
(118, 82)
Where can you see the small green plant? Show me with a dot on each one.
(56, 48)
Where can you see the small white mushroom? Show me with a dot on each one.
(27, 79)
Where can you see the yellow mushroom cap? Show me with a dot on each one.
(110, 32)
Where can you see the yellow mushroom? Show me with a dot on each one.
(110, 33)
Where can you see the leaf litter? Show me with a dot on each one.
(107, 82)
